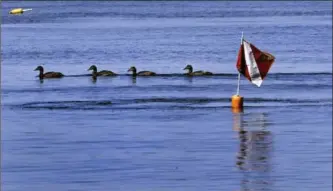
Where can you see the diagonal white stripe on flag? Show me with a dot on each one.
(252, 65)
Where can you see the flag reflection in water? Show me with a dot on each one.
(255, 150)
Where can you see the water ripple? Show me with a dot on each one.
(173, 103)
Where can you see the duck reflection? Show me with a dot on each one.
(133, 79)
(189, 79)
(255, 148)
(93, 79)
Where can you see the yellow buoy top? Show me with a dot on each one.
(16, 11)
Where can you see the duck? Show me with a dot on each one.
(52, 74)
(142, 73)
(100, 73)
(196, 73)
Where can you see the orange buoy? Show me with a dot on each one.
(237, 103)
(237, 110)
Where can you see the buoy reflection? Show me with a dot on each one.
(255, 149)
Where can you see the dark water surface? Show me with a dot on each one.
(167, 132)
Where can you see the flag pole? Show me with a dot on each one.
(238, 81)
(237, 100)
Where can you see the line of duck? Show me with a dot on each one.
(132, 69)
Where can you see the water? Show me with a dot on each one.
(167, 132)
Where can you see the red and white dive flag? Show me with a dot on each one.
(253, 63)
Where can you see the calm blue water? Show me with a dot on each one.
(165, 132)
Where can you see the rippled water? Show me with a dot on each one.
(166, 132)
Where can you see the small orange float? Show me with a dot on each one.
(237, 103)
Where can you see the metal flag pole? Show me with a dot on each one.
(238, 82)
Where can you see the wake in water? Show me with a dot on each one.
(167, 103)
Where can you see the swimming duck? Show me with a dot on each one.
(48, 74)
(101, 73)
(196, 73)
(142, 73)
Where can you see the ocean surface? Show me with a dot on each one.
(167, 132)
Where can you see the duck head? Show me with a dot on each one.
(131, 69)
(189, 68)
(93, 68)
(39, 68)
(41, 71)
